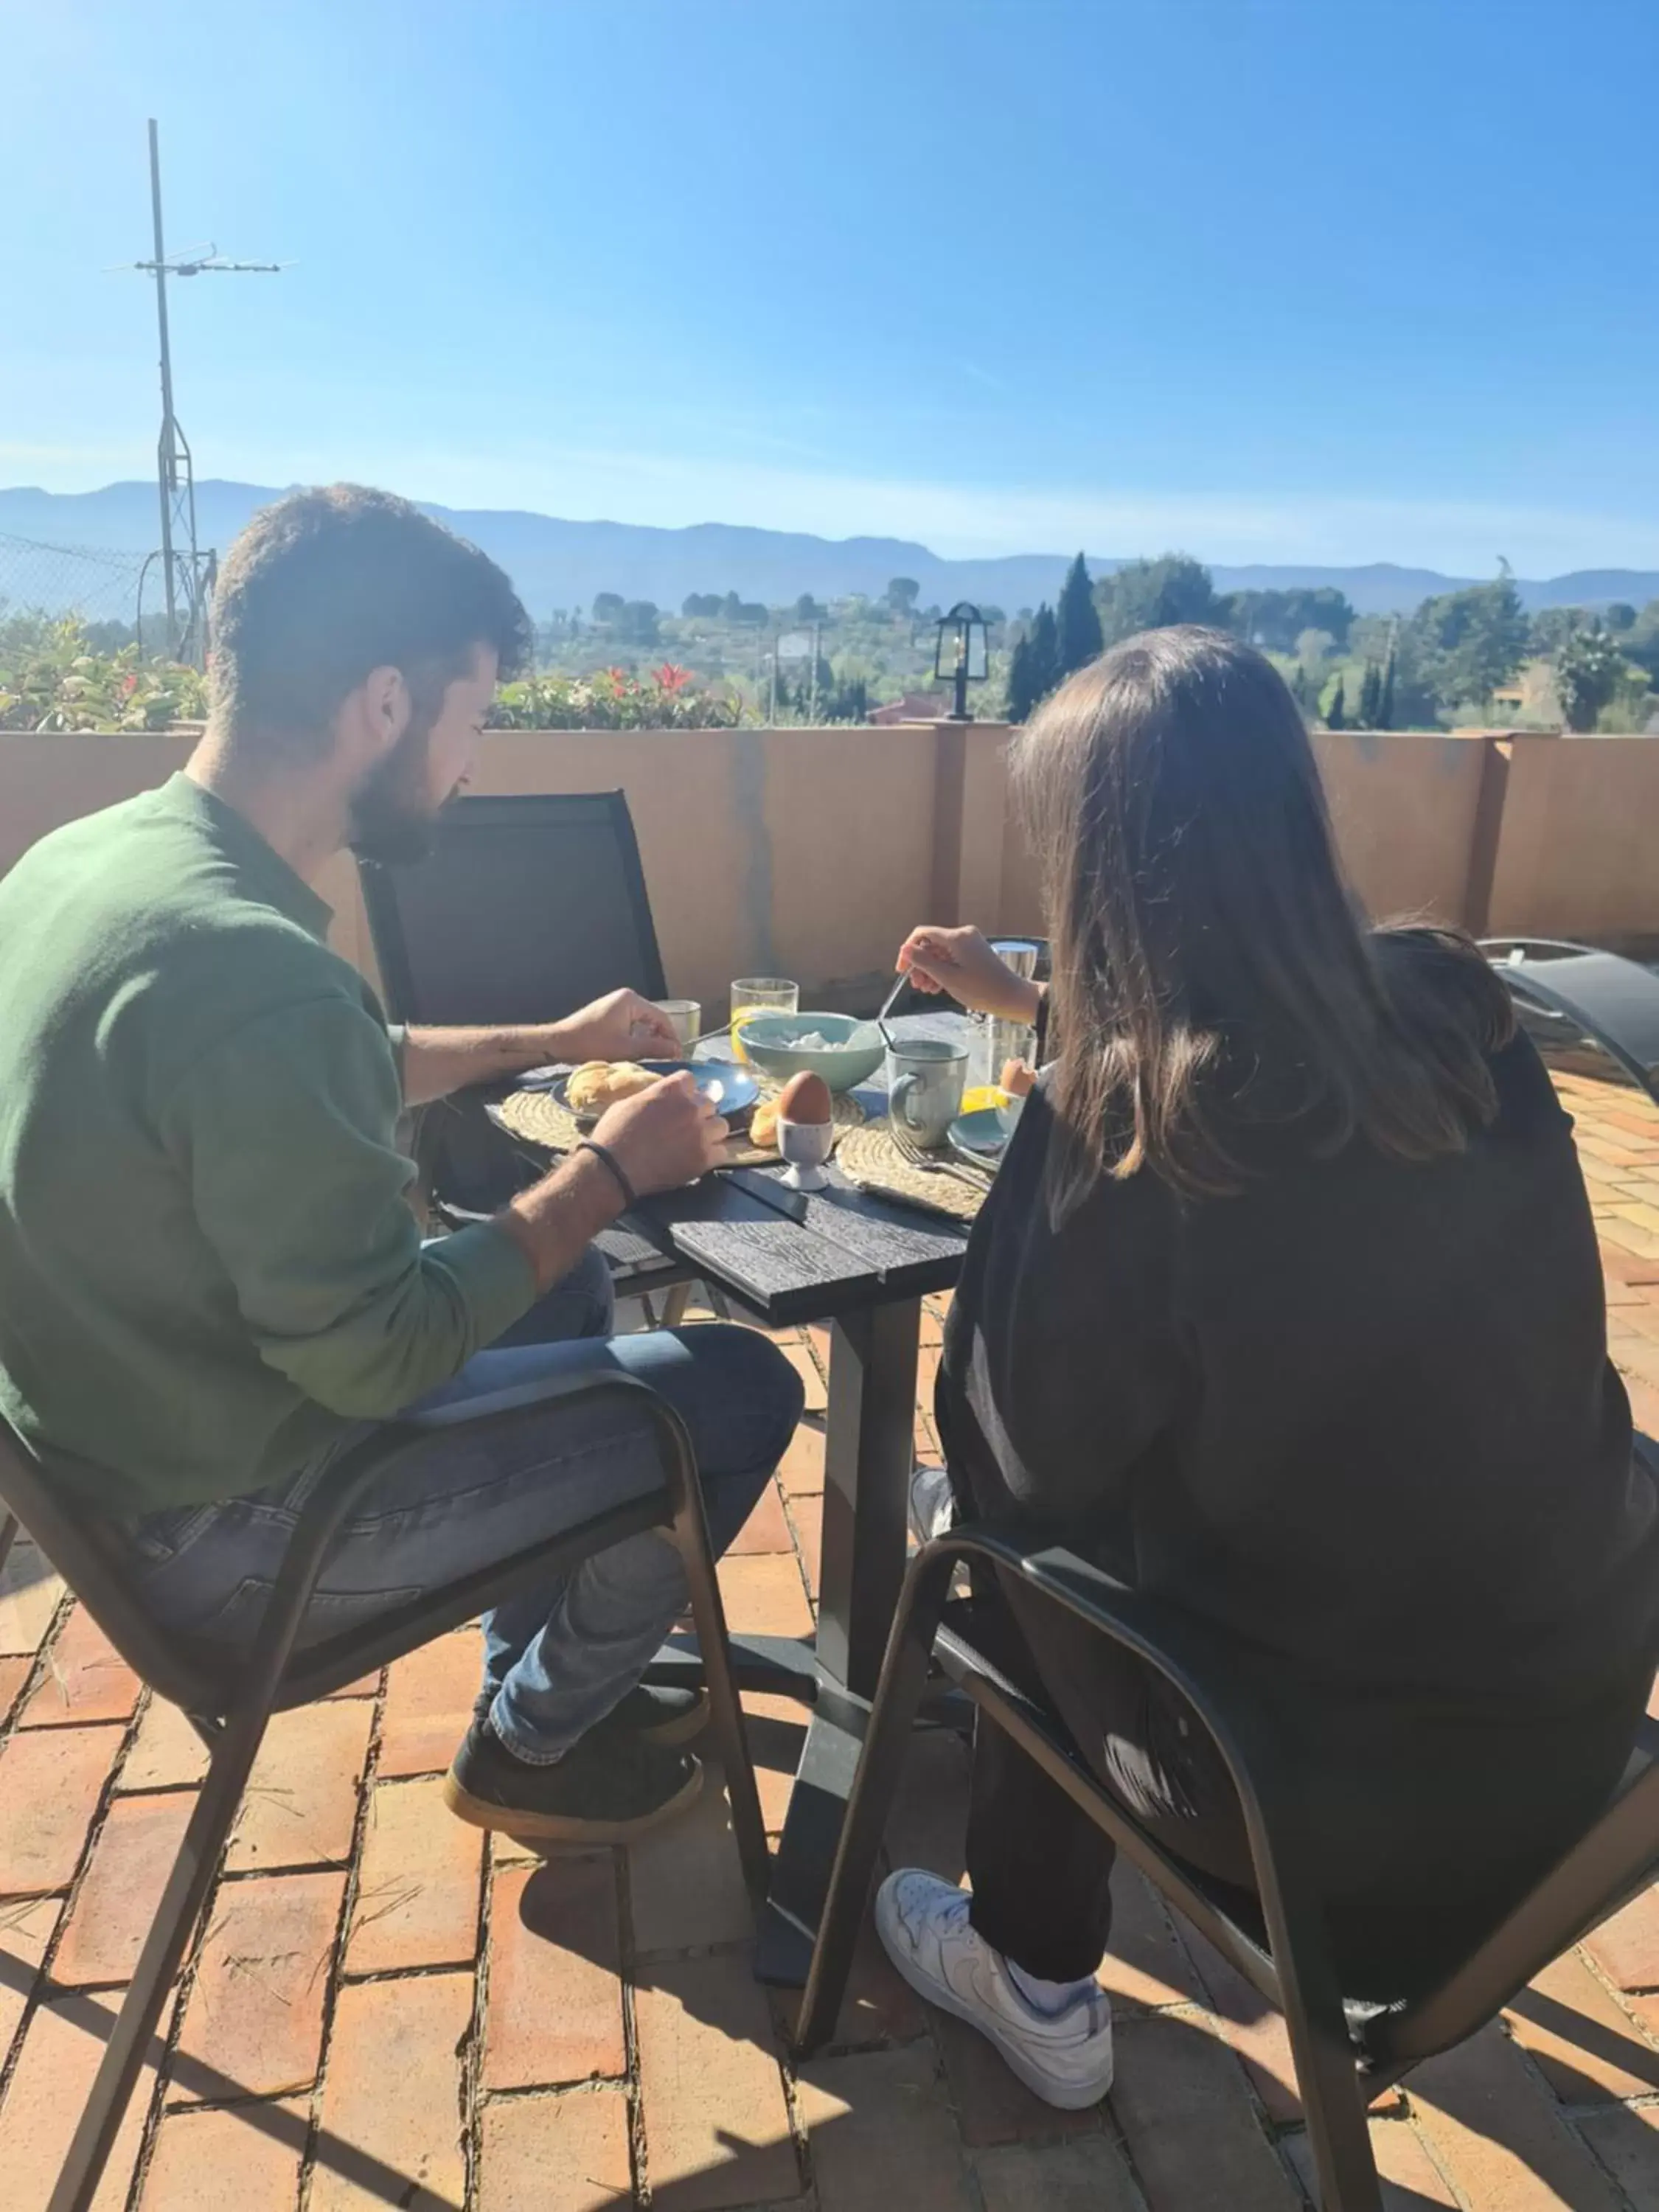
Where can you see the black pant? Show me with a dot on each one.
(1041, 1869)
(1426, 1822)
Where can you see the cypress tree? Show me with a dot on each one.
(1371, 693)
(1045, 653)
(1385, 704)
(1078, 639)
(1022, 692)
(1334, 717)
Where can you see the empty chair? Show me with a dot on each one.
(1564, 992)
(527, 907)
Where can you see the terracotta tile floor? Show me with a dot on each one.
(382, 2008)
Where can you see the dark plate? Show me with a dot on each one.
(737, 1088)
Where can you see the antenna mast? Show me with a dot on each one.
(186, 575)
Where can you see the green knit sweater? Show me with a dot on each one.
(208, 1264)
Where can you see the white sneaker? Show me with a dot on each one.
(932, 1509)
(1065, 2058)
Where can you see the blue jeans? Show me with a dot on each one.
(558, 1658)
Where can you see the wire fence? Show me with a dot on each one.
(96, 583)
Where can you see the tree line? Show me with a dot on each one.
(637, 622)
(1453, 652)
(1092, 614)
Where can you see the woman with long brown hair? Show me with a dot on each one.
(1286, 1306)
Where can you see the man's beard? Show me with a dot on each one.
(392, 820)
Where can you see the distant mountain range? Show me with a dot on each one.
(556, 563)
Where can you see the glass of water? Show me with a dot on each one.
(686, 1015)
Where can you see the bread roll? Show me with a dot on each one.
(601, 1082)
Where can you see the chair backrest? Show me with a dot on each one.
(1596, 994)
(71, 1539)
(528, 907)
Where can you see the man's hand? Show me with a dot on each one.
(621, 1025)
(959, 961)
(663, 1137)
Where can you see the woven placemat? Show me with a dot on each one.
(869, 1158)
(539, 1119)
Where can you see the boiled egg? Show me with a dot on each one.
(806, 1099)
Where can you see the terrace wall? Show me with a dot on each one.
(805, 853)
(1579, 853)
(1408, 811)
(809, 852)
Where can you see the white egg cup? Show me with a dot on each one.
(806, 1146)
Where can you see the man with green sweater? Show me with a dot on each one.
(210, 1276)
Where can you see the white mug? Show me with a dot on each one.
(925, 1076)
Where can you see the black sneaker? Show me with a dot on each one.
(607, 1789)
(658, 1712)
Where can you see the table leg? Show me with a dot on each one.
(869, 1450)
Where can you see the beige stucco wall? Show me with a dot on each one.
(1578, 847)
(45, 781)
(1406, 809)
(1404, 806)
(804, 852)
(809, 852)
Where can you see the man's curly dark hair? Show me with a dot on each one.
(330, 584)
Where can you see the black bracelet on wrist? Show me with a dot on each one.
(631, 1196)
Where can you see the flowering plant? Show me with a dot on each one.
(49, 681)
(612, 699)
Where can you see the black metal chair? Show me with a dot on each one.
(1346, 2054)
(231, 1700)
(527, 907)
(1564, 992)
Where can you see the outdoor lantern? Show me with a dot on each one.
(962, 655)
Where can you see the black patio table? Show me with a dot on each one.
(864, 1265)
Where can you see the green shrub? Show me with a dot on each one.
(612, 699)
(49, 681)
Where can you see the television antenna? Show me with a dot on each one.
(187, 574)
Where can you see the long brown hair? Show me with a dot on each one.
(1213, 977)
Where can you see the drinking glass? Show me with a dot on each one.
(759, 994)
(686, 1015)
(1011, 1041)
(1019, 953)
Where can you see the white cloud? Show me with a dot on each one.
(75, 468)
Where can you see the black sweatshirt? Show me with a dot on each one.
(1360, 1418)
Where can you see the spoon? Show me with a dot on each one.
(887, 1007)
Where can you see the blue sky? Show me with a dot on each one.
(1325, 280)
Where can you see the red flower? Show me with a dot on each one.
(672, 679)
